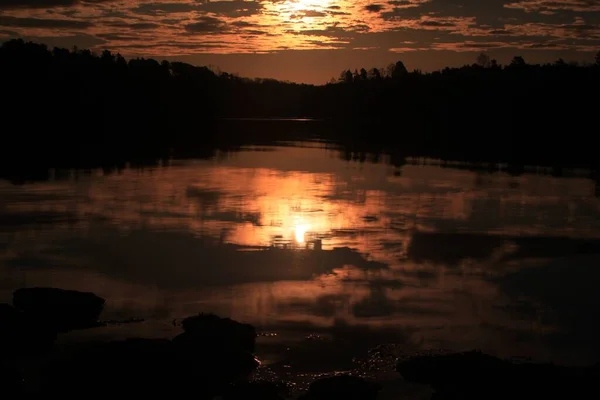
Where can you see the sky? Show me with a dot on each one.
(312, 41)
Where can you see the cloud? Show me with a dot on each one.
(4, 4)
(407, 3)
(171, 28)
(43, 23)
(134, 26)
(8, 4)
(225, 8)
(375, 8)
(8, 33)
(80, 40)
(206, 24)
(232, 8)
(556, 5)
(244, 24)
(164, 8)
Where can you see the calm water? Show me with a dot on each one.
(295, 239)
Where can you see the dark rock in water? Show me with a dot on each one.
(450, 367)
(131, 366)
(64, 309)
(254, 390)
(149, 367)
(217, 347)
(11, 382)
(21, 335)
(7, 311)
(238, 365)
(205, 359)
(223, 333)
(223, 365)
(342, 387)
(475, 375)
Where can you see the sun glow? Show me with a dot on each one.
(300, 232)
(307, 4)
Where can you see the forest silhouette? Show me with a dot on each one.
(79, 109)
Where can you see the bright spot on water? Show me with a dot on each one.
(300, 232)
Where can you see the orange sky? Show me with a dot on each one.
(313, 40)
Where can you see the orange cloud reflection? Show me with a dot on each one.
(143, 236)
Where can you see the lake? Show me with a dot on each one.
(303, 241)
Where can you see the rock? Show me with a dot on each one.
(8, 312)
(450, 367)
(475, 375)
(205, 359)
(215, 348)
(342, 387)
(11, 382)
(254, 390)
(222, 365)
(132, 366)
(21, 335)
(148, 367)
(64, 309)
(219, 332)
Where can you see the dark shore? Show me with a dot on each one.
(76, 109)
(214, 357)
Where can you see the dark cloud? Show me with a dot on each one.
(152, 27)
(375, 8)
(134, 25)
(331, 31)
(119, 37)
(234, 8)
(256, 32)
(8, 33)
(206, 24)
(172, 45)
(330, 12)
(36, 3)
(555, 5)
(439, 24)
(43, 23)
(68, 41)
(6, 4)
(164, 8)
(244, 24)
(309, 13)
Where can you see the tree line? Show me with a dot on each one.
(95, 105)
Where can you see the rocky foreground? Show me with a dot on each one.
(214, 358)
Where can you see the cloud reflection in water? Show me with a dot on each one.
(299, 238)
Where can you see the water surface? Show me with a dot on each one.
(295, 238)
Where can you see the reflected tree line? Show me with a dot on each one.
(86, 108)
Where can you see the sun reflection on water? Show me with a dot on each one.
(300, 232)
(378, 260)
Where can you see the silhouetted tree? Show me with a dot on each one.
(107, 57)
(120, 61)
(363, 74)
(346, 76)
(144, 106)
(398, 70)
(518, 61)
(375, 74)
(560, 63)
(483, 60)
